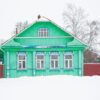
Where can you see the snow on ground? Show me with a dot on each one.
(50, 88)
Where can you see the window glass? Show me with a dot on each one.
(21, 60)
(68, 60)
(39, 60)
(43, 32)
(68, 56)
(54, 60)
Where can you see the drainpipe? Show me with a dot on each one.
(16, 31)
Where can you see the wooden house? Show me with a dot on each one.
(44, 48)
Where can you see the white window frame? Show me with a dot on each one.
(43, 32)
(40, 61)
(69, 67)
(21, 61)
(54, 60)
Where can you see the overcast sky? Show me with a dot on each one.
(13, 11)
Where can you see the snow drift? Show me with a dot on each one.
(50, 88)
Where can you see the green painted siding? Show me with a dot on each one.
(31, 64)
(31, 43)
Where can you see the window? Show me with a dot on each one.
(40, 61)
(68, 60)
(43, 32)
(54, 60)
(22, 60)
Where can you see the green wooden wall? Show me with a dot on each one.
(31, 63)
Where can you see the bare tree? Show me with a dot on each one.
(20, 26)
(91, 56)
(92, 35)
(75, 21)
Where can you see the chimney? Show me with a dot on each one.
(38, 17)
(16, 31)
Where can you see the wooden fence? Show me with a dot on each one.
(1, 71)
(91, 69)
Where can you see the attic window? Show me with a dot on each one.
(43, 32)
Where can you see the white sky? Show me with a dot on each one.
(13, 11)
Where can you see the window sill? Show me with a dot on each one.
(54, 69)
(40, 69)
(22, 69)
(68, 68)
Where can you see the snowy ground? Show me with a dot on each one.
(50, 88)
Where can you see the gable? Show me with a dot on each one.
(52, 29)
(56, 36)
